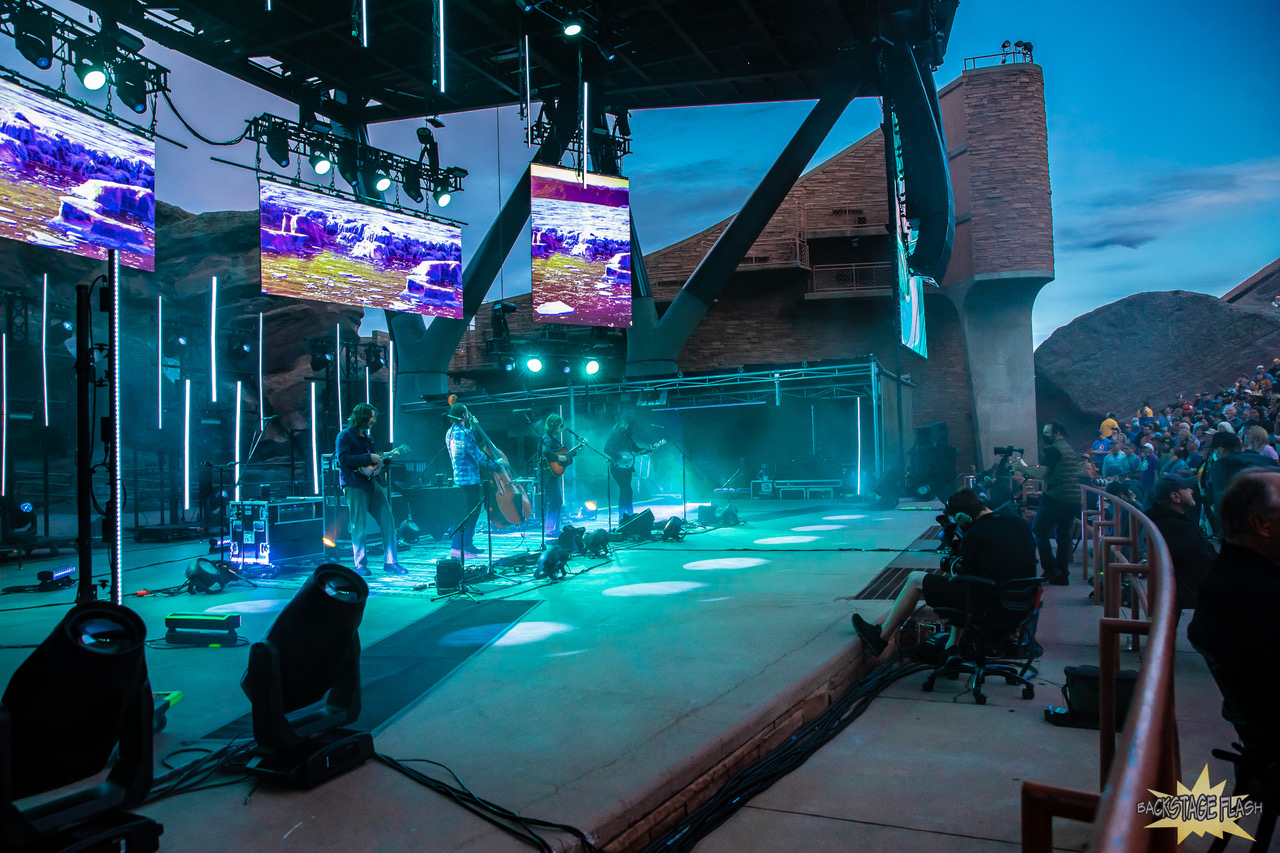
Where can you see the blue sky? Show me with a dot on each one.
(1164, 145)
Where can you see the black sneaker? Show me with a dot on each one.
(1060, 579)
(363, 572)
(870, 636)
(395, 569)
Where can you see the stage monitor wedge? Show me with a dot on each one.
(333, 249)
(581, 248)
(73, 182)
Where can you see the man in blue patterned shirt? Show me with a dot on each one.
(468, 460)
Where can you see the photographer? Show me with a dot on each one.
(992, 545)
(1060, 503)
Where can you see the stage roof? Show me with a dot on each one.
(673, 52)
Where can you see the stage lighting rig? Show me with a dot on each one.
(44, 36)
(379, 169)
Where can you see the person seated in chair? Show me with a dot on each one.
(1233, 622)
(994, 546)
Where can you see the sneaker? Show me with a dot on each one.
(870, 636)
(395, 569)
(363, 571)
(472, 552)
(1060, 579)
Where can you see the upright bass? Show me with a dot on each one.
(509, 499)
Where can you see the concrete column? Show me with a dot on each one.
(995, 323)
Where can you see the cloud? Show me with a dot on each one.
(1160, 202)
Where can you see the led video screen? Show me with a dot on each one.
(581, 248)
(911, 312)
(72, 182)
(329, 249)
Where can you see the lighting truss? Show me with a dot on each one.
(303, 141)
(116, 49)
(611, 141)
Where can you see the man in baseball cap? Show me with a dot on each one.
(1176, 514)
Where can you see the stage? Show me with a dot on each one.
(619, 690)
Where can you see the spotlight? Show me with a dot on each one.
(373, 358)
(572, 26)
(87, 59)
(508, 363)
(673, 530)
(238, 351)
(320, 361)
(18, 521)
(409, 532)
(303, 680)
(381, 181)
(80, 702)
(320, 162)
(534, 365)
(178, 341)
(60, 331)
(33, 36)
(588, 512)
(131, 86)
(442, 197)
(202, 577)
(565, 367)
(412, 182)
(593, 367)
(348, 168)
(278, 146)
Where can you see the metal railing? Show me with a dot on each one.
(814, 216)
(783, 251)
(1147, 748)
(876, 278)
(1012, 56)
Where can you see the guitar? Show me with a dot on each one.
(556, 467)
(372, 471)
(626, 459)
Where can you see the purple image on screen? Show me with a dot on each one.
(316, 246)
(581, 250)
(72, 182)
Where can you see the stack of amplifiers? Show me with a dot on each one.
(266, 532)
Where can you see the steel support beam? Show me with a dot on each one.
(651, 352)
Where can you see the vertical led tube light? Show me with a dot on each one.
(584, 128)
(391, 392)
(337, 368)
(315, 457)
(364, 23)
(44, 347)
(213, 340)
(186, 444)
(4, 414)
(262, 421)
(159, 362)
(366, 383)
(440, 13)
(237, 456)
(117, 452)
(528, 99)
(857, 466)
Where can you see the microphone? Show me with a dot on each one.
(269, 418)
(656, 426)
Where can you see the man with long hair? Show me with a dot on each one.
(365, 495)
(620, 440)
(551, 449)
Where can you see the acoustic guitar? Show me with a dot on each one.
(626, 459)
(372, 471)
(556, 467)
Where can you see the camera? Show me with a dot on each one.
(1007, 451)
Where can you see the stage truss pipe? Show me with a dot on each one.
(84, 448)
(712, 274)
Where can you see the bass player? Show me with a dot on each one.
(365, 495)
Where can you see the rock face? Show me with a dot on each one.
(1149, 347)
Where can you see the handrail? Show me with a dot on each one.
(1147, 747)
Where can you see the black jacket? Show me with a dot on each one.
(1191, 550)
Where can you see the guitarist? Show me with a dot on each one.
(620, 439)
(551, 449)
(365, 496)
(468, 459)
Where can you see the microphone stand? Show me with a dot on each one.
(541, 493)
(463, 590)
(684, 494)
(608, 479)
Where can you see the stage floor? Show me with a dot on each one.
(625, 669)
(624, 676)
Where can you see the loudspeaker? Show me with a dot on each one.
(706, 515)
(448, 574)
(636, 526)
(934, 466)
